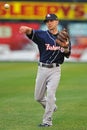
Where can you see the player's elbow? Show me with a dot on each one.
(67, 55)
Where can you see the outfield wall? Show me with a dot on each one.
(13, 45)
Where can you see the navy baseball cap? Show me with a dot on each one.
(50, 17)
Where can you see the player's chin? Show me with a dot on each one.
(51, 28)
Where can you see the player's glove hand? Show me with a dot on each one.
(63, 38)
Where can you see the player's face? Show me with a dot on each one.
(52, 24)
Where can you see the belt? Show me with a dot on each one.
(48, 65)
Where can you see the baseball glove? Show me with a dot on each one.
(63, 38)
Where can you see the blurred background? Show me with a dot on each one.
(17, 47)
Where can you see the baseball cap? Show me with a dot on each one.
(50, 17)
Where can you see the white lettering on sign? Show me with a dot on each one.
(5, 31)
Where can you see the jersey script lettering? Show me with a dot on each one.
(54, 48)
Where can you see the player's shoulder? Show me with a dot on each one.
(40, 31)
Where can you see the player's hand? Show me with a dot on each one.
(63, 38)
(25, 29)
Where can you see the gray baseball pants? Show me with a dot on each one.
(45, 89)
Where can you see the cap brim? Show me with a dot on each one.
(49, 19)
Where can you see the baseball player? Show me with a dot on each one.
(53, 47)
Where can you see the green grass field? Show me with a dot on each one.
(19, 110)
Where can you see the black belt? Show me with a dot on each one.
(48, 65)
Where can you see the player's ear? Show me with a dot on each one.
(57, 21)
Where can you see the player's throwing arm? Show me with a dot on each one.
(25, 29)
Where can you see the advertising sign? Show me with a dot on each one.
(37, 10)
(9, 34)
